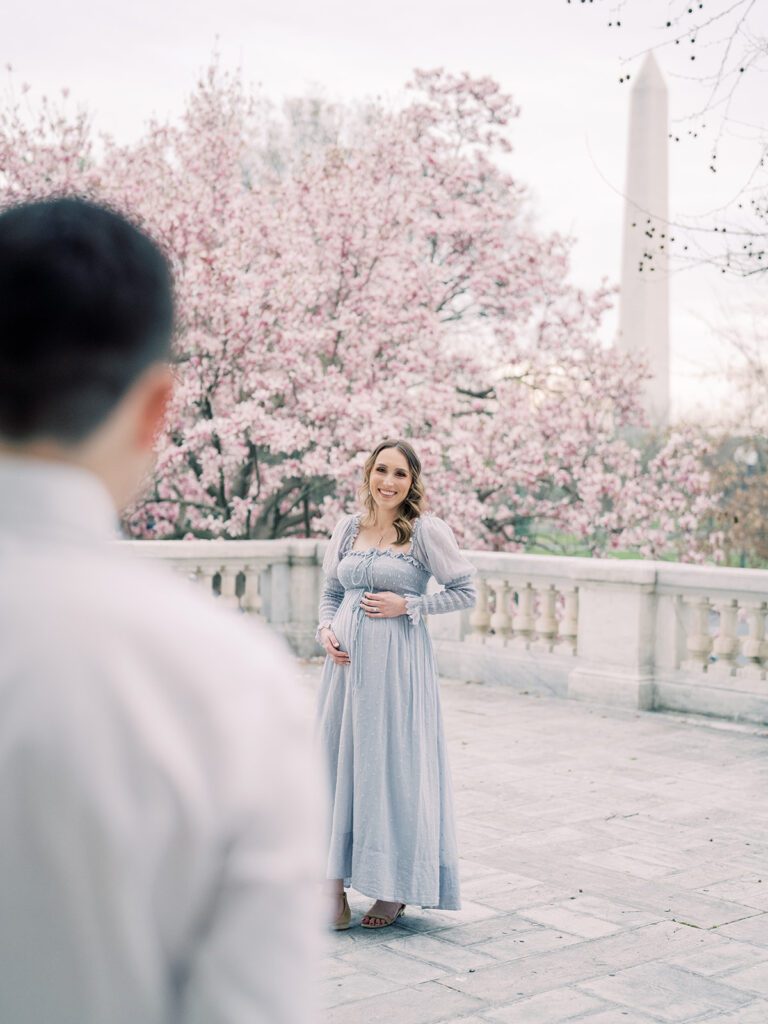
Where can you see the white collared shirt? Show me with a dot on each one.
(159, 816)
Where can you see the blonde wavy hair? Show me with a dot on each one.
(415, 501)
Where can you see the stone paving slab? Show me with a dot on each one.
(448, 955)
(752, 1014)
(614, 871)
(754, 979)
(670, 994)
(720, 959)
(562, 1004)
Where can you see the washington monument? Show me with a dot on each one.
(644, 301)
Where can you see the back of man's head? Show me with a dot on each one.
(85, 308)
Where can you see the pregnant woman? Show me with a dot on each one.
(380, 726)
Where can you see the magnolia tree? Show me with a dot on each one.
(345, 276)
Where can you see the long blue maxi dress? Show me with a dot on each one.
(380, 727)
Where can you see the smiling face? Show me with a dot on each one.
(390, 479)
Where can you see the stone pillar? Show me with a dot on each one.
(616, 641)
(644, 301)
(304, 576)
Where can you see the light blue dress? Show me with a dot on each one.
(392, 833)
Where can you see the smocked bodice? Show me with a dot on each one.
(382, 570)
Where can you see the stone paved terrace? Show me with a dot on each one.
(614, 867)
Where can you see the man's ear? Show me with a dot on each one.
(156, 393)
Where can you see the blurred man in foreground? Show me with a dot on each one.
(158, 822)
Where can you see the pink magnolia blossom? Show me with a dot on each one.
(346, 276)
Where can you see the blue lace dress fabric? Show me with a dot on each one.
(392, 834)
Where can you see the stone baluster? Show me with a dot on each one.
(501, 620)
(523, 622)
(754, 646)
(546, 622)
(698, 641)
(251, 600)
(569, 623)
(228, 590)
(205, 575)
(185, 571)
(480, 618)
(726, 643)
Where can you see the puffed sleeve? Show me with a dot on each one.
(435, 546)
(333, 592)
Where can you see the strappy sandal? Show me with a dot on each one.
(380, 917)
(344, 920)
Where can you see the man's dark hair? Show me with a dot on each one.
(86, 305)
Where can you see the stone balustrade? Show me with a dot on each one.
(639, 634)
(277, 580)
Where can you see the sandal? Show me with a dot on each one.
(381, 917)
(344, 920)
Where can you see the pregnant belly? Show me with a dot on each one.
(350, 619)
(344, 621)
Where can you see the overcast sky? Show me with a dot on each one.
(561, 63)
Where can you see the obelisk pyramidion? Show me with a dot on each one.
(644, 297)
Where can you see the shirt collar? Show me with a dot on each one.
(54, 499)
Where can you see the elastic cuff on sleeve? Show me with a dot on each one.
(320, 628)
(413, 608)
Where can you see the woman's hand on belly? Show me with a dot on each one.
(386, 605)
(332, 648)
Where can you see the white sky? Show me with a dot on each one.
(561, 63)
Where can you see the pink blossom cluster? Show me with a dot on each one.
(345, 276)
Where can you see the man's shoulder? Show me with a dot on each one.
(154, 596)
(118, 662)
(106, 592)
